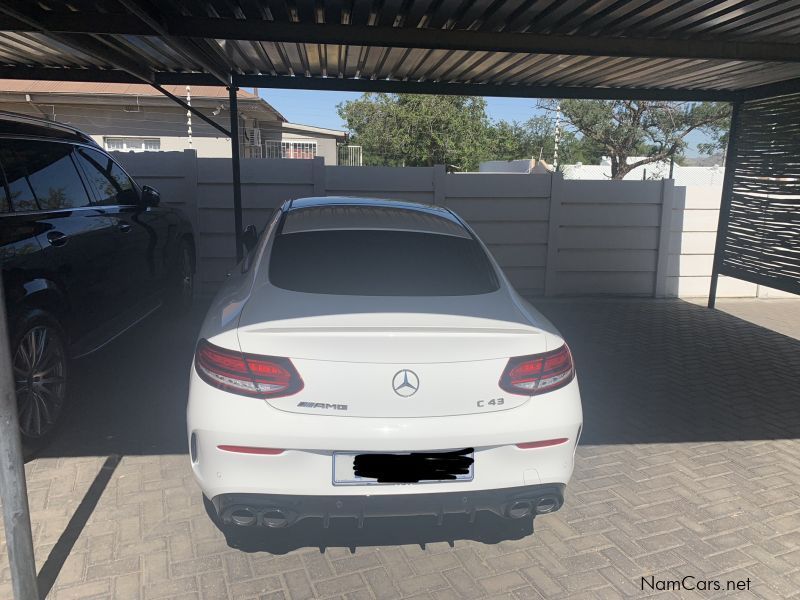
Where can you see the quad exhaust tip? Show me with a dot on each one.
(244, 516)
(519, 509)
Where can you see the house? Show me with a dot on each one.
(138, 118)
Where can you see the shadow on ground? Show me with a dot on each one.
(650, 371)
(662, 371)
(130, 396)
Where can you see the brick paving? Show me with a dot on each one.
(689, 465)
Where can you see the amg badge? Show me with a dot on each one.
(322, 405)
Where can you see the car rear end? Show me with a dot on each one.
(380, 369)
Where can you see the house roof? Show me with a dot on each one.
(311, 129)
(119, 90)
(115, 89)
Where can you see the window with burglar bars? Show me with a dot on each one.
(350, 156)
(126, 144)
(277, 149)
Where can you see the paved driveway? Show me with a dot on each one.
(689, 466)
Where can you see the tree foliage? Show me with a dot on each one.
(418, 130)
(535, 138)
(425, 130)
(622, 129)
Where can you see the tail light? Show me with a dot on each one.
(538, 373)
(246, 374)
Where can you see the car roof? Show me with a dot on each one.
(15, 124)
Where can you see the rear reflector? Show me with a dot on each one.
(250, 450)
(246, 374)
(542, 443)
(538, 373)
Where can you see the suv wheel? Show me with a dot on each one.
(40, 376)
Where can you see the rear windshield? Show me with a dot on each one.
(371, 262)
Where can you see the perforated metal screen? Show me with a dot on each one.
(761, 243)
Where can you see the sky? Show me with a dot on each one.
(319, 109)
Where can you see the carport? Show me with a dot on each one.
(745, 53)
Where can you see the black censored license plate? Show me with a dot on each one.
(375, 468)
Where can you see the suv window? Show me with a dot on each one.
(44, 172)
(109, 181)
(19, 189)
(369, 262)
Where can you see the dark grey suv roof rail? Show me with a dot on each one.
(77, 134)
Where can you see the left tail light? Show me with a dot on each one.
(538, 373)
(246, 374)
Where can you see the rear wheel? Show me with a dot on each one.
(40, 367)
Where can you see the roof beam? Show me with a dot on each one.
(408, 37)
(478, 89)
(374, 85)
(490, 41)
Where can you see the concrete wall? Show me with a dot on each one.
(693, 232)
(551, 236)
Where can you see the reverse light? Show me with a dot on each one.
(538, 373)
(246, 374)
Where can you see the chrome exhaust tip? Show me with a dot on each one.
(547, 504)
(243, 517)
(274, 518)
(519, 509)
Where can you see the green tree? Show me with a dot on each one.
(535, 138)
(419, 130)
(621, 129)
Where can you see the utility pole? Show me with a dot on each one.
(13, 490)
(557, 135)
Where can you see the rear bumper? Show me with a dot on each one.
(280, 510)
(304, 468)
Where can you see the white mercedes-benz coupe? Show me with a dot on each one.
(369, 358)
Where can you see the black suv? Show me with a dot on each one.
(86, 254)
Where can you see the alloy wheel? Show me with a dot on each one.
(40, 380)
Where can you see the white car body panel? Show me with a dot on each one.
(347, 349)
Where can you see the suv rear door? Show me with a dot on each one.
(139, 240)
(78, 238)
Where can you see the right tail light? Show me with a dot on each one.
(538, 373)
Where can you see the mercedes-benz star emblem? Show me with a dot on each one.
(405, 383)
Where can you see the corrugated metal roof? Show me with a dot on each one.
(629, 44)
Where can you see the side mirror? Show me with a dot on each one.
(249, 237)
(150, 196)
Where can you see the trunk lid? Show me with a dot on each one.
(392, 357)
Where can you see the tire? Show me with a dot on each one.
(40, 364)
(181, 293)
